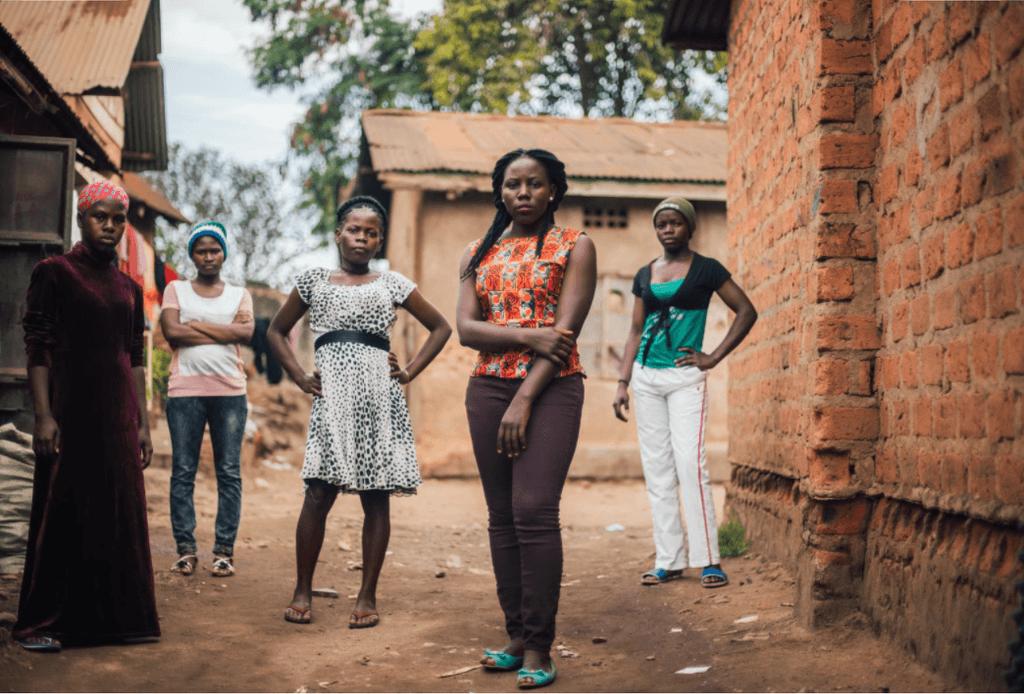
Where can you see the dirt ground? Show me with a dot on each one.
(438, 607)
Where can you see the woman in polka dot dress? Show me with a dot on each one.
(360, 435)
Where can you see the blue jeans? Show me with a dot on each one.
(186, 419)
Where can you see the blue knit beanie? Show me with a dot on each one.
(214, 229)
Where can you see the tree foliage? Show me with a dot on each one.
(593, 58)
(247, 199)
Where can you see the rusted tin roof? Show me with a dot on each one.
(81, 46)
(140, 189)
(609, 148)
(697, 24)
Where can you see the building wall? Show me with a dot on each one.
(608, 447)
(875, 213)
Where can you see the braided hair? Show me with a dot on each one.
(364, 202)
(556, 175)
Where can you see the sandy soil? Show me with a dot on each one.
(613, 633)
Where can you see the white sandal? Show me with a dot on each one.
(185, 567)
(223, 567)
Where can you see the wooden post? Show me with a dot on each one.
(403, 257)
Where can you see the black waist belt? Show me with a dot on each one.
(353, 336)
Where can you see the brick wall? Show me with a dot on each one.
(876, 212)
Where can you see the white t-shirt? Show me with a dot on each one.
(206, 370)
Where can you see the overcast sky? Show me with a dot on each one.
(209, 92)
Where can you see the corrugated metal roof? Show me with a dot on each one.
(140, 189)
(145, 127)
(608, 148)
(80, 45)
(697, 24)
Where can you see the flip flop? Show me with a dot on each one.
(363, 615)
(656, 577)
(43, 644)
(500, 660)
(301, 611)
(541, 678)
(713, 578)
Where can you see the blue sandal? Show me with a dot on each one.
(541, 678)
(500, 660)
(656, 577)
(44, 644)
(713, 578)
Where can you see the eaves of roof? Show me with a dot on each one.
(697, 24)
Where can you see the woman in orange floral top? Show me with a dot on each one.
(525, 290)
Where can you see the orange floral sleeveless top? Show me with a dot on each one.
(516, 288)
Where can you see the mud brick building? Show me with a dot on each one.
(875, 205)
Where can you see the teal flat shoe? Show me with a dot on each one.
(541, 678)
(502, 661)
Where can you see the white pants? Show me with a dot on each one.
(671, 407)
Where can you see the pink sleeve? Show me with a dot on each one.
(171, 297)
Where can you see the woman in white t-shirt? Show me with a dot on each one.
(205, 320)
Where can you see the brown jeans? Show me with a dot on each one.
(523, 495)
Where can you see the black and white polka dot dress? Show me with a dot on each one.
(360, 435)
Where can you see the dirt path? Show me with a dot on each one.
(229, 635)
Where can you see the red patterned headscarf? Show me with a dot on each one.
(101, 190)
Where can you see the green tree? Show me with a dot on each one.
(247, 199)
(352, 56)
(594, 58)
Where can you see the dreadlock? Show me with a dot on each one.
(556, 175)
(364, 202)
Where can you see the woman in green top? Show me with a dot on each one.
(665, 363)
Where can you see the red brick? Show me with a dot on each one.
(951, 84)
(844, 241)
(900, 417)
(1013, 351)
(999, 417)
(1013, 212)
(972, 299)
(954, 474)
(824, 559)
(834, 284)
(990, 114)
(938, 147)
(1015, 93)
(922, 411)
(960, 249)
(908, 369)
(931, 364)
(934, 258)
(844, 57)
(974, 176)
(915, 59)
(901, 123)
(924, 207)
(835, 104)
(962, 132)
(981, 478)
(948, 197)
(1010, 479)
(832, 13)
(1001, 169)
(956, 361)
(845, 423)
(831, 376)
(885, 467)
(890, 277)
(844, 517)
(829, 468)
(900, 24)
(929, 468)
(913, 167)
(937, 40)
(910, 266)
(1001, 288)
(847, 332)
(972, 415)
(889, 372)
(900, 229)
(847, 151)
(920, 314)
(883, 42)
(838, 196)
(889, 183)
(863, 385)
(944, 416)
(985, 355)
(988, 238)
(900, 321)
(978, 63)
(945, 309)
(1010, 34)
(961, 21)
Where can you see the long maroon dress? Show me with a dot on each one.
(88, 571)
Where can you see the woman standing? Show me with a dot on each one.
(665, 340)
(525, 290)
(88, 573)
(360, 435)
(205, 320)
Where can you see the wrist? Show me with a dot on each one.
(623, 382)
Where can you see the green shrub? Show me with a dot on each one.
(161, 372)
(732, 538)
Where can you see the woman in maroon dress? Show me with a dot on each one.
(88, 572)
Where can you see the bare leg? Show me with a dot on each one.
(376, 534)
(309, 538)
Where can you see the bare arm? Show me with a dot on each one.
(145, 440)
(574, 301)
(238, 332)
(479, 334)
(746, 315)
(277, 336)
(636, 330)
(180, 334)
(431, 319)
